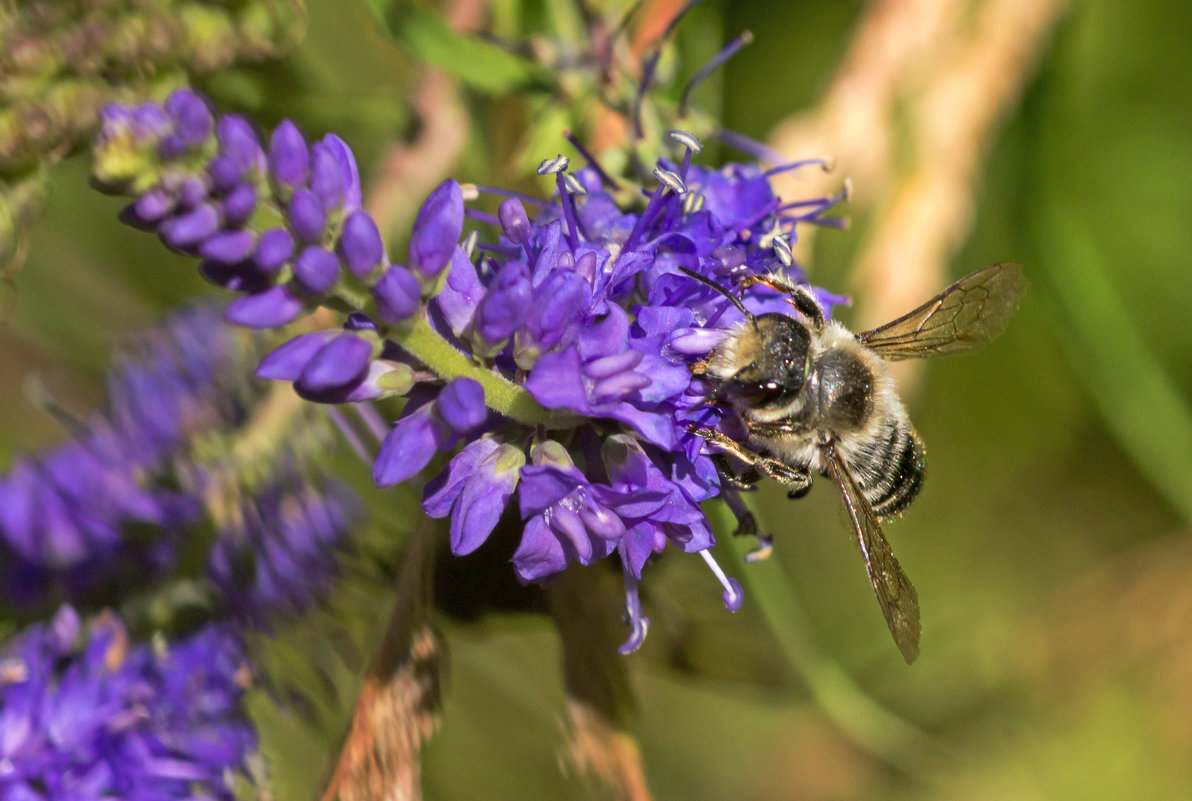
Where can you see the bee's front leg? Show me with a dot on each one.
(796, 478)
(742, 481)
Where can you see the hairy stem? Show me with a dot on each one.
(500, 395)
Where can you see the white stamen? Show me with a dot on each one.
(732, 592)
(470, 242)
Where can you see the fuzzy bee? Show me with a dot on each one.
(813, 396)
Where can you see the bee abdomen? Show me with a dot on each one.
(895, 474)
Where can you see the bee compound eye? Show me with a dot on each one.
(761, 393)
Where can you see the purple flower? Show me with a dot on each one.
(397, 295)
(86, 713)
(288, 155)
(505, 306)
(566, 517)
(474, 491)
(361, 244)
(461, 405)
(437, 229)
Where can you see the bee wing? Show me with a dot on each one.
(895, 594)
(966, 315)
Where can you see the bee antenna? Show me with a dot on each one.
(731, 297)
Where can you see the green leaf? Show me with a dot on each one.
(481, 65)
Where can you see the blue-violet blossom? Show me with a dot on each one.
(87, 713)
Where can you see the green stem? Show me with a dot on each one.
(502, 396)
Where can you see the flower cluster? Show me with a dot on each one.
(88, 714)
(557, 352)
(112, 503)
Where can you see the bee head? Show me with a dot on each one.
(777, 348)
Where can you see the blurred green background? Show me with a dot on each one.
(1050, 547)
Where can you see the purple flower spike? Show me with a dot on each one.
(273, 250)
(360, 244)
(341, 362)
(437, 229)
(461, 405)
(317, 270)
(288, 155)
(589, 302)
(100, 715)
(398, 294)
(307, 218)
(514, 221)
(269, 309)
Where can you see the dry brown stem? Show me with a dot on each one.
(397, 709)
(409, 170)
(930, 79)
(598, 748)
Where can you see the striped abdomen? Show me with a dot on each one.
(889, 467)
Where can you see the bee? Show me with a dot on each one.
(813, 396)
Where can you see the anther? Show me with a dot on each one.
(554, 166)
(782, 249)
(765, 547)
(687, 139)
(573, 185)
(692, 202)
(470, 192)
(670, 180)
